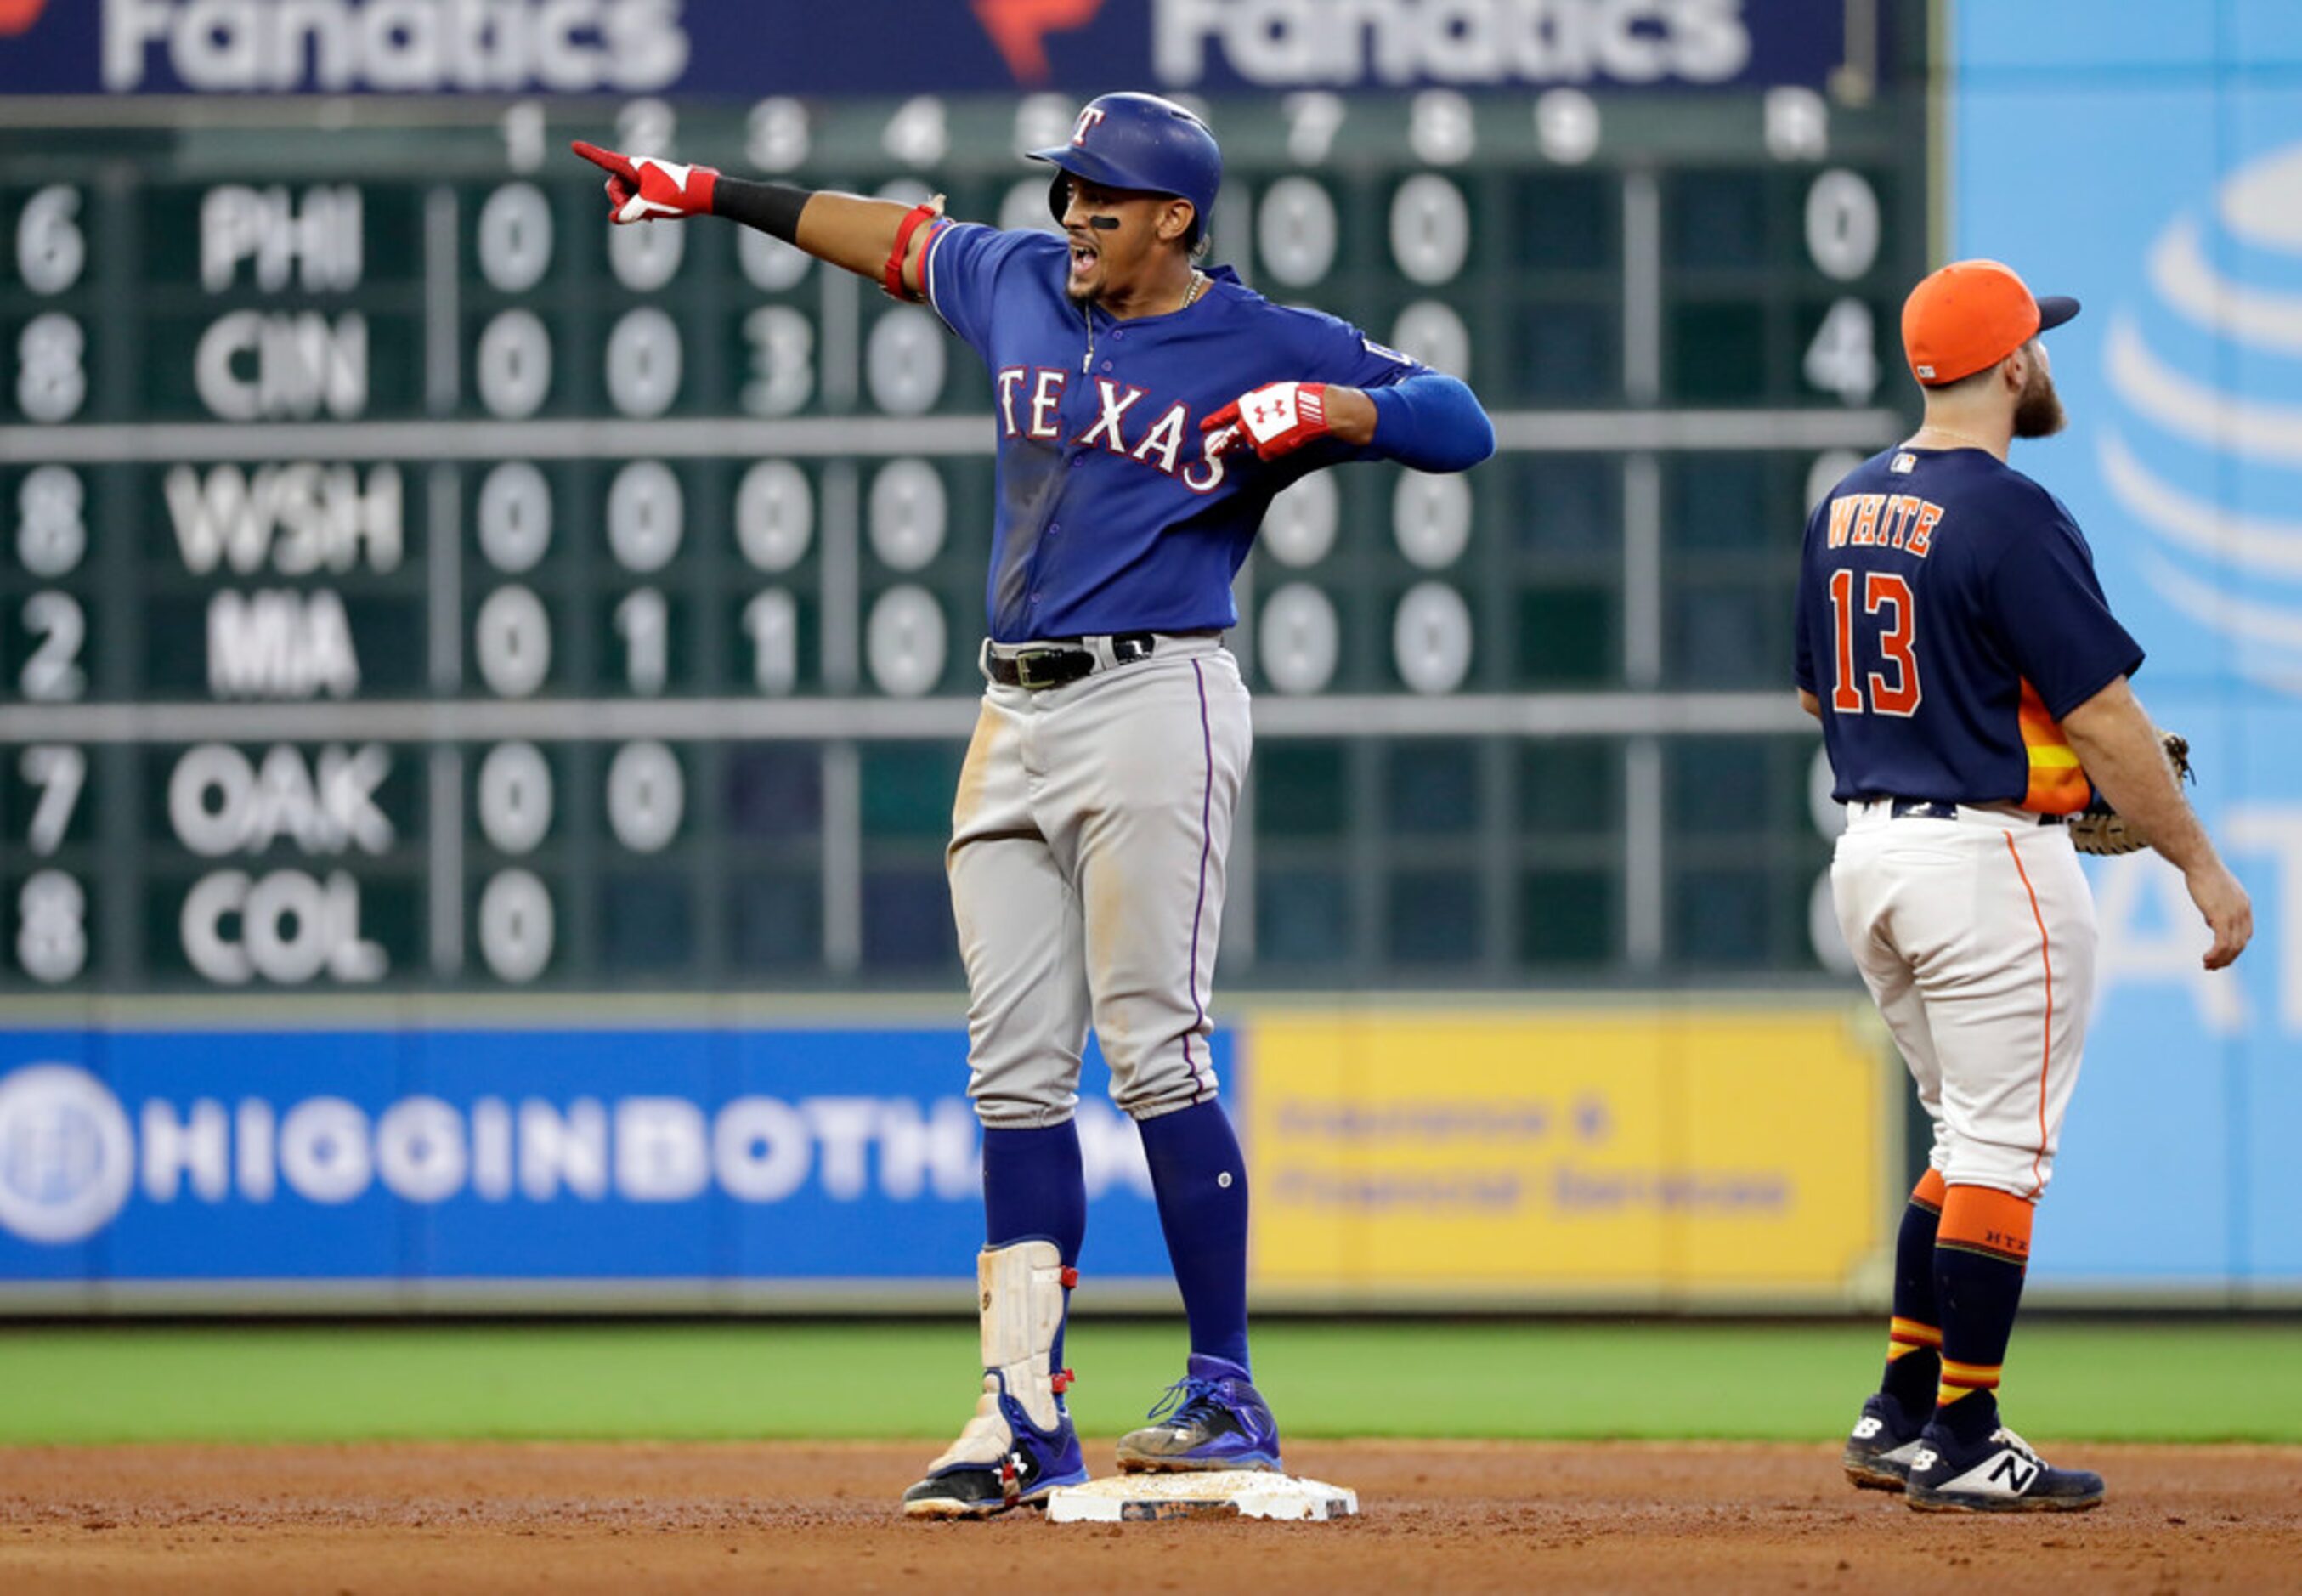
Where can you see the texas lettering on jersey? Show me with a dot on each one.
(1159, 443)
(1115, 512)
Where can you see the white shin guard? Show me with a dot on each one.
(1020, 1292)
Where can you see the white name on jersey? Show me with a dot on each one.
(1901, 521)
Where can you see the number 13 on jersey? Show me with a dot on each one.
(1892, 688)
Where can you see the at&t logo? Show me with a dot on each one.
(2203, 448)
(67, 1158)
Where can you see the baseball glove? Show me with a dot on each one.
(2099, 828)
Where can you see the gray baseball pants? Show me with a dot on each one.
(1086, 856)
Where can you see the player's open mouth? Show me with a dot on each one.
(1083, 259)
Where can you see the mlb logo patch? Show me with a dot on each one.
(1904, 463)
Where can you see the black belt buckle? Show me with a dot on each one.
(1039, 669)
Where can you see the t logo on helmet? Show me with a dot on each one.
(1087, 119)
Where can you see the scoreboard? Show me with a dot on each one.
(408, 581)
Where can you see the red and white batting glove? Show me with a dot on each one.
(642, 188)
(1278, 418)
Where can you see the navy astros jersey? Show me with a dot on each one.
(1948, 618)
(1111, 515)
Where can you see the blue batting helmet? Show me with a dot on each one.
(1139, 141)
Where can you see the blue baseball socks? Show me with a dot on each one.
(1200, 1180)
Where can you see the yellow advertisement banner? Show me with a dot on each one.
(1668, 1153)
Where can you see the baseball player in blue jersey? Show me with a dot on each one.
(1972, 686)
(1147, 411)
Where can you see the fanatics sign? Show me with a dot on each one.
(722, 47)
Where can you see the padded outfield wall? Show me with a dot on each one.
(2147, 159)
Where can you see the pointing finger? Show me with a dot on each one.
(606, 159)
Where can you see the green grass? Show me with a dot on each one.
(2188, 1382)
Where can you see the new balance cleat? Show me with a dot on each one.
(1212, 1418)
(1019, 1445)
(1001, 1461)
(2001, 1474)
(1884, 1441)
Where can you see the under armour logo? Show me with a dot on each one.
(1087, 119)
(1266, 412)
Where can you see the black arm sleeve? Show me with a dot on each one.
(773, 208)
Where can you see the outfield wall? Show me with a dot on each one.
(603, 1157)
(1643, 1152)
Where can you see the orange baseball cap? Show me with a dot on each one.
(1973, 314)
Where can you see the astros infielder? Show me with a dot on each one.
(1147, 411)
(1971, 683)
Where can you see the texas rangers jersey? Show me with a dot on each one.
(1948, 618)
(1112, 515)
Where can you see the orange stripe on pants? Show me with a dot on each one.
(2047, 1043)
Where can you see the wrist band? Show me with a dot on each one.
(891, 276)
(773, 208)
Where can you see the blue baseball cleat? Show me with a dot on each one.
(2000, 1474)
(1003, 1461)
(1878, 1450)
(1212, 1418)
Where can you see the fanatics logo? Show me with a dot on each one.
(1020, 28)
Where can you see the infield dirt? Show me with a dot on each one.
(1438, 1516)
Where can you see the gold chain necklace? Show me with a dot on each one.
(1943, 432)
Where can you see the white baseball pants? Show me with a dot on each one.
(1976, 936)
